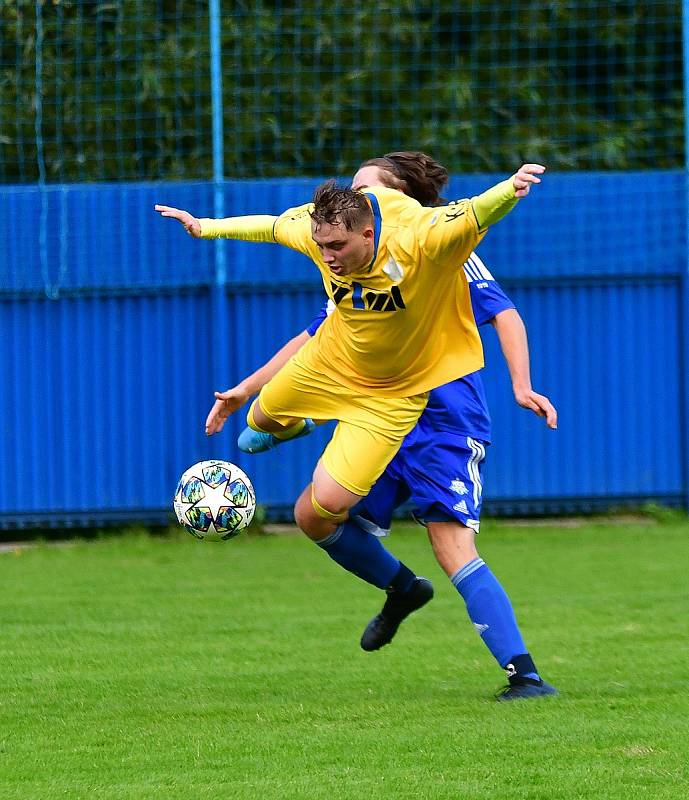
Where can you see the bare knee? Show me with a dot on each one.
(319, 516)
(453, 544)
(323, 505)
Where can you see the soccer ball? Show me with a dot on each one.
(214, 500)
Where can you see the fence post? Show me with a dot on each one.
(684, 288)
(219, 306)
(40, 155)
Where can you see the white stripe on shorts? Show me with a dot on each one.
(478, 453)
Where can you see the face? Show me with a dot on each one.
(344, 251)
(368, 176)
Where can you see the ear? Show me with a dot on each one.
(368, 232)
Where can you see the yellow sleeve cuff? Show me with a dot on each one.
(494, 203)
(255, 228)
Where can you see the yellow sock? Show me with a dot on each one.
(285, 434)
(324, 513)
(291, 432)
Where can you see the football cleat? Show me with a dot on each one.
(398, 606)
(251, 441)
(524, 689)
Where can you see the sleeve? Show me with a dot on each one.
(256, 228)
(487, 296)
(492, 205)
(326, 310)
(293, 229)
(447, 232)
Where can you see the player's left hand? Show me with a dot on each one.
(226, 403)
(539, 404)
(191, 225)
(525, 176)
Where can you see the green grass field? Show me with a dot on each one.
(161, 667)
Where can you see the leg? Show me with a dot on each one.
(264, 433)
(265, 423)
(356, 456)
(487, 603)
(323, 505)
(453, 545)
(444, 474)
(286, 406)
(368, 435)
(488, 606)
(322, 513)
(319, 513)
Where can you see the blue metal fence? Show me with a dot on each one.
(115, 335)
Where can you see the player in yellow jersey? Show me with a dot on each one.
(439, 465)
(404, 324)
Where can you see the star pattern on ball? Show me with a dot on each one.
(213, 498)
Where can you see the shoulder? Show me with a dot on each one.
(439, 219)
(297, 213)
(392, 205)
(293, 228)
(297, 217)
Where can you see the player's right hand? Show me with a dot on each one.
(540, 405)
(525, 176)
(191, 224)
(226, 403)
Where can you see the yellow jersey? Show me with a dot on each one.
(405, 323)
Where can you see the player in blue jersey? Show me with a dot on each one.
(439, 465)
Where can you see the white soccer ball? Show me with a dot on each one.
(214, 500)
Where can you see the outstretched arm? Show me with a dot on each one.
(227, 402)
(515, 347)
(492, 205)
(254, 228)
(447, 233)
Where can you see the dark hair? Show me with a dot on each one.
(413, 173)
(339, 205)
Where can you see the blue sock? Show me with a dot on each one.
(490, 610)
(363, 555)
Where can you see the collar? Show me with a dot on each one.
(377, 224)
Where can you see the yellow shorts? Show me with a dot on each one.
(370, 429)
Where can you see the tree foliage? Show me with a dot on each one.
(121, 89)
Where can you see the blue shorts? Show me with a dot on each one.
(439, 473)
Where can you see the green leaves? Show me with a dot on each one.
(308, 89)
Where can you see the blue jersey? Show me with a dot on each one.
(460, 407)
